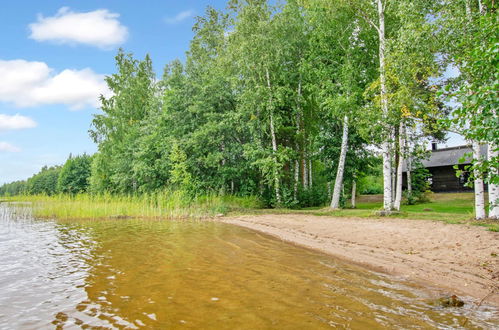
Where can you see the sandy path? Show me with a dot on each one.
(458, 258)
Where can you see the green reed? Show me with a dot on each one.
(165, 204)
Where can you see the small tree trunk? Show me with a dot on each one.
(354, 192)
(468, 11)
(297, 180)
(481, 7)
(305, 170)
(398, 194)
(222, 149)
(338, 182)
(409, 179)
(310, 172)
(479, 191)
(394, 174)
(297, 144)
(493, 187)
(385, 147)
(276, 170)
(274, 143)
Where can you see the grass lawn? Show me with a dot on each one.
(456, 208)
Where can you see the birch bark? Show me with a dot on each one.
(479, 190)
(493, 188)
(297, 179)
(398, 194)
(354, 193)
(297, 144)
(310, 172)
(385, 147)
(274, 142)
(338, 182)
(481, 7)
(305, 170)
(409, 178)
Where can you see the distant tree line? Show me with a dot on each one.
(71, 178)
(297, 101)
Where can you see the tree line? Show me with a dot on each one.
(297, 101)
(70, 178)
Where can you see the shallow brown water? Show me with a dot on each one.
(188, 274)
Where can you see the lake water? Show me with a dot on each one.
(132, 274)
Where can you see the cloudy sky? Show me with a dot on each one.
(53, 60)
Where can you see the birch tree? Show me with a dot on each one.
(469, 29)
(373, 13)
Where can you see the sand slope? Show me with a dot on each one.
(461, 259)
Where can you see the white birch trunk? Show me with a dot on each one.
(479, 190)
(409, 178)
(310, 172)
(305, 170)
(385, 147)
(274, 143)
(338, 182)
(398, 194)
(222, 147)
(468, 10)
(481, 7)
(354, 192)
(274, 149)
(297, 179)
(394, 174)
(493, 188)
(298, 133)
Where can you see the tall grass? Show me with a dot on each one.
(166, 204)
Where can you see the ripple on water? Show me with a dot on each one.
(163, 274)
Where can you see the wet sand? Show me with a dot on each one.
(460, 259)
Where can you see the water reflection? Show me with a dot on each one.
(186, 274)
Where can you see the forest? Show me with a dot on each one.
(300, 103)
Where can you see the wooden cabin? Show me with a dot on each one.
(441, 164)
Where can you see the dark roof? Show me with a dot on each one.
(450, 156)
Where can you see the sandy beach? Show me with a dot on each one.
(460, 259)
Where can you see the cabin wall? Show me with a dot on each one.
(444, 179)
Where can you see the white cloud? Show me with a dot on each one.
(4, 146)
(99, 28)
(8, 123)
(27, 84)
(179, 17)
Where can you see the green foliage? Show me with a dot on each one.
(118, 130)
(44, 182)
(470, 43)
(180, 177)
(74, 175)
(13, 189)
(420, 178)
(371, 185)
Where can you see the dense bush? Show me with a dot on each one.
(13, 188)
(370, 185)
(44, 182)
(74, 175)
(420, 193)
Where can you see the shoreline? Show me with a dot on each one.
(458, 259)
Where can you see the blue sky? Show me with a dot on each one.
(53, 58)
